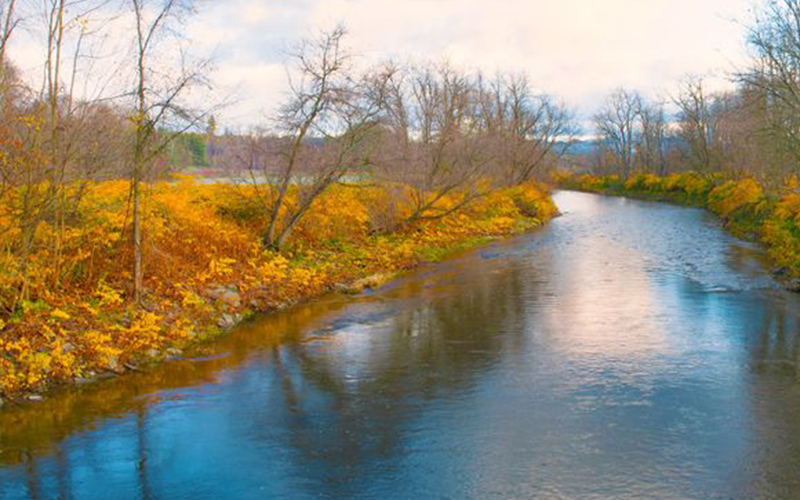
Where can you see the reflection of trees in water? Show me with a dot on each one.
(39, 429)
(141, 453)
(343, 416)
(448, 334)
(775, 404)
(447, 331)
(343, 408)
(62, 474)
(777, 347)
(33, 437)
(32, 477)
(57, 485)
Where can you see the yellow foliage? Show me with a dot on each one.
(726, 198)
(107, 295)
(199, 238)
(221, 266)
(143, 334)
(191, 299)
(59, 314)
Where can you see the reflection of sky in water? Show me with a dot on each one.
(631, 350)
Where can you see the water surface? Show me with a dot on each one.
(631, 350)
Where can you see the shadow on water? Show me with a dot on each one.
(610, 355)
(777, 347)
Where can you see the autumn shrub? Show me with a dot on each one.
(781, 232)
(643, 182)
(724, 199)
(386, 205)
(337, 216)
(77, 319)
(689, 187)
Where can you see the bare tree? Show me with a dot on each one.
(436, 144)
(652, 152)
(322, 133)
(749, 138)
(8, 23)
(45, 176)
(775, 73)
(697, 125)
(159, 115)
(618, 126)
(529, 131)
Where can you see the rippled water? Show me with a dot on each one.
(630, 350)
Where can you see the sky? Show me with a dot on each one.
(577, 50)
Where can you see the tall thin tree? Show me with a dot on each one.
(159, 116)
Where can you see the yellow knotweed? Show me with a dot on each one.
(197, 237)
(731, 195)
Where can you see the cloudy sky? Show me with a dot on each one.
(576, 49)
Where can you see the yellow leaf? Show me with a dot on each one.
(58, 313)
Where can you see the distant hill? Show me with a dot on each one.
(582, 147)
(585, 147)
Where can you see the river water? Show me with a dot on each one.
(630, 350)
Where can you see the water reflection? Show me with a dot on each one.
(610, 355)
(777, 348)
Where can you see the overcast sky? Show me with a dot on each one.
(578, 50)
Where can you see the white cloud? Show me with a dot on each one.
(577, 49)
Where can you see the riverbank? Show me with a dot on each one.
(206, 270)
(748, 209)
(594, 333)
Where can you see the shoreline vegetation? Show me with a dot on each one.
(111, 258)
(749, 209)
(208, 270)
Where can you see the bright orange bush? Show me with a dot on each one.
(781, 232)
(723, 200)
(198, 239)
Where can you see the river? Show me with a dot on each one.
(630, 350)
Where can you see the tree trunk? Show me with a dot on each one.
(138, 271)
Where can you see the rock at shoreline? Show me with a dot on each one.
(174, 354)
(368, 283)
(783, 276)
(780, 271)
(228, 294)
(227, 321)
(113, 364)
(793, 285)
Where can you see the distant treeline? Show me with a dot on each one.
(753, 130)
